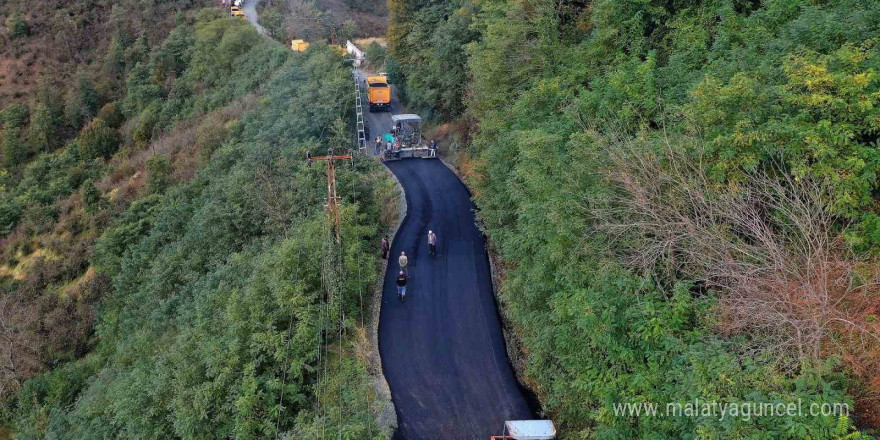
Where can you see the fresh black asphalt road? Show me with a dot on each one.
(442, 350)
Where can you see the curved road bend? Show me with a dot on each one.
(442, 350)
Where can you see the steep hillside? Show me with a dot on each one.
(682, 194)
(333, 21)
(223, 290)
(57, 39)
(55, 193)
(106, 259)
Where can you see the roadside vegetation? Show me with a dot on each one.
(330, 21)
(683, 197)
(167, 268)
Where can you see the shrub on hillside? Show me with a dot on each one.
(17, 25)
(96, 140)
(376, 55)
(15, 151)
(158, 174)
(90, 194)
(111, 115)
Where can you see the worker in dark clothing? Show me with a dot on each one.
(432, 243)
(401, 286)
(385, 248)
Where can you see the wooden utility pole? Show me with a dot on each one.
(332, 198)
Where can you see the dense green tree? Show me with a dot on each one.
(15, 151)
(141, 89)
(91, 195)
(375, 54)
(15, 115)
(348, 30)
(41, 129)
(138, 52)
(97, 140)
(114, 59)
(175, 54)
(80, 102)
(158, 174)
(272, 20)
(111, 115)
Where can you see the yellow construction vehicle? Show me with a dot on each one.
(235, 11)
(299, 45)
(378, 93)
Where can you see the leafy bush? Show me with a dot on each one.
(158, 174)
(17, 26)
(96, 140)
(375, 55)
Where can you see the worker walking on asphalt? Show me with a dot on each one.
(432, 243)
(401, 287)
(385, 248)
(377, 144)
(402, 261)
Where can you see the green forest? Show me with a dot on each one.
(168, 271)
(682, 195)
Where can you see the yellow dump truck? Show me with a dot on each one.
(378, 93)
(235, 11)
(299, 45)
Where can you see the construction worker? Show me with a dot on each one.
(385, 248)
(432, 242)
(388, 150)
(377, 144)
(402, 261)
(401, 286)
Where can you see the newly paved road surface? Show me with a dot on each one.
(442, 350)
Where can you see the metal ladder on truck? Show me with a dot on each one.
(359, 113)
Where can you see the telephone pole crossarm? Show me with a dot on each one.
(332, 198)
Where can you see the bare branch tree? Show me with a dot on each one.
(769, 245)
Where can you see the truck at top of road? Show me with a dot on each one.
(236, 11)
(378, 93)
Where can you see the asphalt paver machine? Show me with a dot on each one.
(406, 130)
